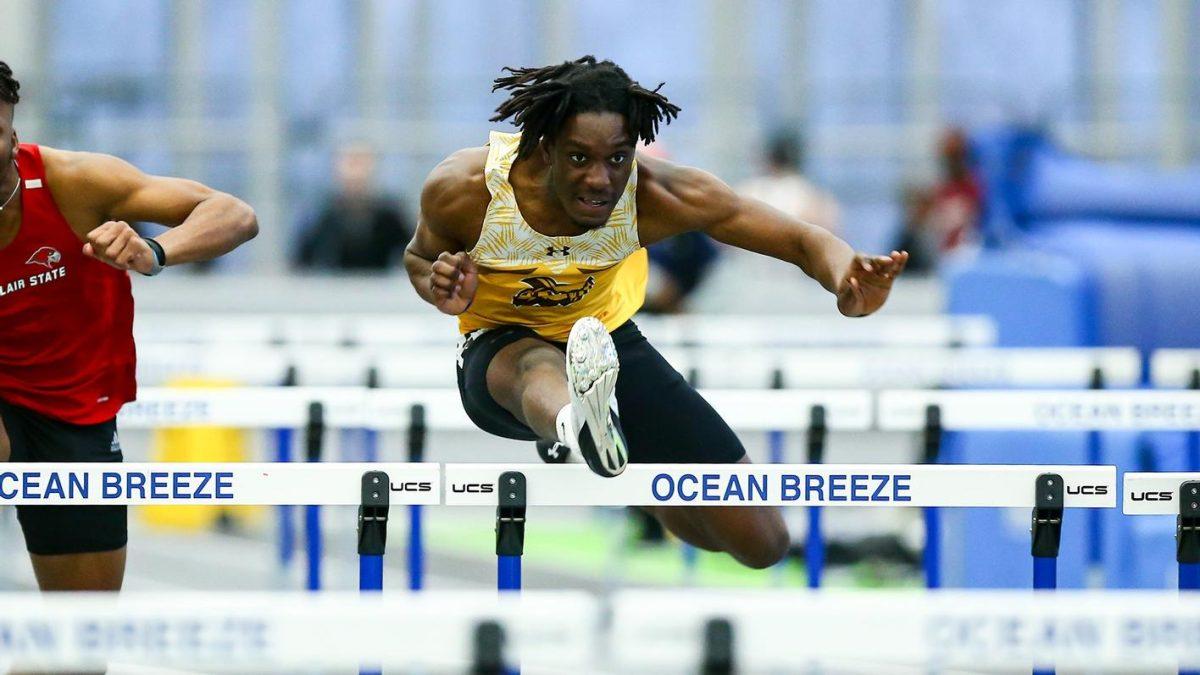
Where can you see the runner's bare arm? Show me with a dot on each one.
(678, 198)
(453, 202)
(104, 190)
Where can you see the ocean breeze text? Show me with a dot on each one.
(837, 487)
(199, 485)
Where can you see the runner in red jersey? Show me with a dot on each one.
(67, 354)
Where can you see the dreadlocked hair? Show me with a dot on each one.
(543, 99)
(8, 85)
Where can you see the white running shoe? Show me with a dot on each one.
(592, 368)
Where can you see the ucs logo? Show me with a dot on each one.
(1087, 489)
(1151, 496)
(412, 486)
(475, 488)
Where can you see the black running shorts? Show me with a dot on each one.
(54, 530)
(664, 418)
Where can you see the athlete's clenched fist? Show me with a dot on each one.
(118, 244)
(453, 279)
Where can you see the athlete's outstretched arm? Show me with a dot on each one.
(679, 197)
(103, 189)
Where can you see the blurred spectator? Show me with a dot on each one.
(747, 280)
(784, 187)
(358, 228)
(943, 220)
(677, 265)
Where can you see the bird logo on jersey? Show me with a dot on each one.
(546, 292)
(46, 257)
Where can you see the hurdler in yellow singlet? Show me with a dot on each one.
(546, 283)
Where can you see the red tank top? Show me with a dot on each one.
(66, 320)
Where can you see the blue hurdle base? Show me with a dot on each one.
(312, 529)
(508, 576)
(814, 548)
(1045, 573)
(933, 542)
(416, 550)
(370, 573)
(1189, 576)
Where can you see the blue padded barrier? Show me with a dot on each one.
(1037, 299)
(1058, 186)
(1145, 279)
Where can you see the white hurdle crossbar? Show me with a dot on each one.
(390, 409)
(667, 631)
(272, 632)
(1170, 493)
(865, 632)
(429, 328)
(1042, 410)
(1045, 488)
(904, 485)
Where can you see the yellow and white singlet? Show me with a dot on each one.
(546, 283)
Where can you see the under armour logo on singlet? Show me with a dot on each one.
(550, 250)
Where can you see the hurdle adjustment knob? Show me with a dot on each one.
(373, 514)
(1046, 529)
(510, 515)
(1187, 524)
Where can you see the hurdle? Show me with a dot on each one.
(512, 488)
(1170, 493)
(774, 631)
(970, 367)
(890, 366)
(1046, 489)
(933, 412)
(259, 632)
(1178, 494)
(280, 410)
(756, 330)
(390, 330)
(565, 631)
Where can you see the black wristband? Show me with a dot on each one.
(160, 256)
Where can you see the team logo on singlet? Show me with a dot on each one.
(546, 292)
(46, 257)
